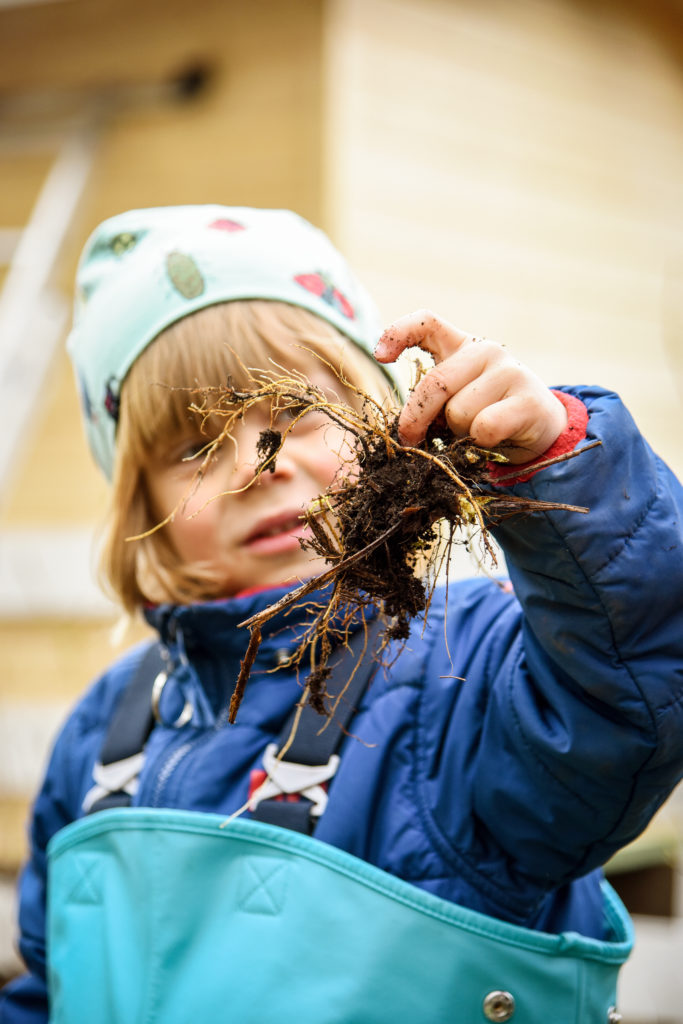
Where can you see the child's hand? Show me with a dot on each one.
(480, 388)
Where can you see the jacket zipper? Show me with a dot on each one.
(180, 753)
(167, 770)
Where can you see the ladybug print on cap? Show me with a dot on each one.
(224, 224)
(321, 285)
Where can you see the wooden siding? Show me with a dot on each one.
(519, 168)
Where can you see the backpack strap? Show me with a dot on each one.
(117, 772)
(311, 758)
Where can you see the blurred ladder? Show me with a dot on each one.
(33, 313)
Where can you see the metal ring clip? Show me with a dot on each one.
(157, 689)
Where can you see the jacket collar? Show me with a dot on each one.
(214, 626)
(206, 645)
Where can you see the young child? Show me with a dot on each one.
(487, 770)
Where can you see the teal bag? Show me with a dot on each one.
(175, 917)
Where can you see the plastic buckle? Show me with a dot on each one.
(112, 778)
(290, 777)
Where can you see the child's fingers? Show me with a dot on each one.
(530, 422)
(470, 401)
(424, 329)
(459, 375)
(477, 385)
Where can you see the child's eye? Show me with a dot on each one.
(300, 414)
(290, 412)
(190, 450)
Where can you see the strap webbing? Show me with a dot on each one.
(133, 720)
(295, 816)
(131, 724)
(312, 743)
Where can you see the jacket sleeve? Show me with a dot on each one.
(582, 739)
(67, 779)
(24, 1000)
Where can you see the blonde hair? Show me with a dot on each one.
(202, 350)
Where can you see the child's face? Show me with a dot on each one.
(248, 538)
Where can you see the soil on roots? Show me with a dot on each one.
(391, 515)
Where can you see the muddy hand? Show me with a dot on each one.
(477, 385)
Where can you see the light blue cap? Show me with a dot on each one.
(145, 269)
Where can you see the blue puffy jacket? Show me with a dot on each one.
(517, 742)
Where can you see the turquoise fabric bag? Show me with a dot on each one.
(173, 917)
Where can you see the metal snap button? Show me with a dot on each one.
(613, 1016)
(499, 1006)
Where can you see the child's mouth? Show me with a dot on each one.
(276, 534)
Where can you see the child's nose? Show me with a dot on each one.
(249, 463)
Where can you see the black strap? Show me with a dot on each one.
(295, 816)
(313, 744)
(133, 721)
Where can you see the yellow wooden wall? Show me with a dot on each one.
(519, 168)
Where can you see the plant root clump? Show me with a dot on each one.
(384, 527)
(391, 513)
